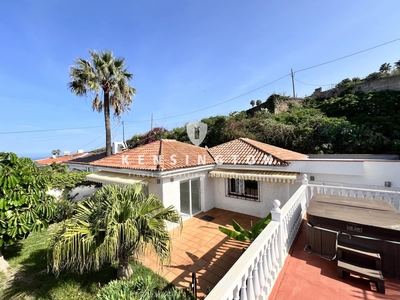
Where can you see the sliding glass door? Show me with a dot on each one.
(190, 196)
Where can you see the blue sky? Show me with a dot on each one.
(185, 56)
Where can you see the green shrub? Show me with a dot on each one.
(64, 210)
(143, 288)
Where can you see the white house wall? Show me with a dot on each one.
(171, 193)
(365, 173)
(155, 188)
(208, 191)
(269, 191)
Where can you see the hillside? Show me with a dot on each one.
(353, 123)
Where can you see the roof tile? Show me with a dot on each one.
(60, 159)
(244, 151)
(160, 155)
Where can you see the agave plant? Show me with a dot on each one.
(241, 234)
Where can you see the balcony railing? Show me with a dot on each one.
(255, 272)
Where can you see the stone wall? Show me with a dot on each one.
(283, 106)
(381, 84)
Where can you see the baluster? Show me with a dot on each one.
(256, 281)
(274, 256)
(236, 293)
(286, 236)
(243, 292)
(261, 275)
(250, 286)
(318, 190)
(270, 259)
(267, 269)
(277, 254)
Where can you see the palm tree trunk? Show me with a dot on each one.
(107, 122)
(3, 263)
(124, 268)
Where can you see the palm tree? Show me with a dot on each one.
(111, 226)
(108, 74)
(252, 103)
(397, 65)
(385, 68)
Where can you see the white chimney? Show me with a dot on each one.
(67, 153)
(80, 151)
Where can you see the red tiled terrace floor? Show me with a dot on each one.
(307, 276)
(203, 249)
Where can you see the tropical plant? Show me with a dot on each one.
(56, 152)
(385, 68)
(24, 204)
(64, 210)
(143, 288)
(373, 76)
(107, 74)
(111, 226)
(252, 103)
(397, 65)
(258, 102)
(241, 234)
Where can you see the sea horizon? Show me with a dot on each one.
(34, 156)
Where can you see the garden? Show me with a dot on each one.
(90, 249)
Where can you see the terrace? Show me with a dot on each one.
(274, 266)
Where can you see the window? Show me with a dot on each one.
(243, 189)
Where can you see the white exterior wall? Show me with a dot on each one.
(367, 173)
(268, 191)
(155, 188)
(171, 193)
(208, 192)
(82, 192)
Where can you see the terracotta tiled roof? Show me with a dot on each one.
(60, 159)
(244, 151)
(160, 155)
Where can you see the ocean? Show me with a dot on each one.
(34, 156)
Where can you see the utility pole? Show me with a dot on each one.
(123, 131)
(292, 74)
(151, 128)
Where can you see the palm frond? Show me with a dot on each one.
(113, 224)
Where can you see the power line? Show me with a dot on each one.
(313, 84)
(92, 141)
(48, 130)
(217, 104)
(231, 99)
(343, 57)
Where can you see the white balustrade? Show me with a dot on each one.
(392, 197)
(253, 275)
(256, 271)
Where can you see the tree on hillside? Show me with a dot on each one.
(397, 65)
(252, 103)
(258, 102)
(24, 204)
(156, 134)
(112, 225)
(385, 68)
(373, 76)
(56, 152)
(107, 74)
